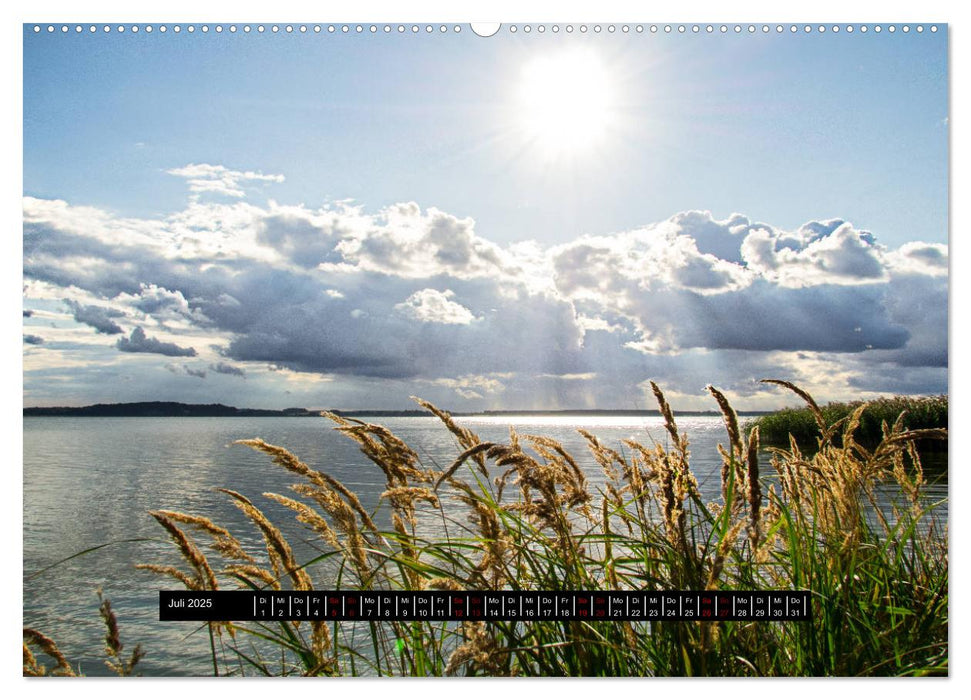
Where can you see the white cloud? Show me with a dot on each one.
(659, 257)
(581, 377)
(217, 179)
(930, 259)
(472, 386)
(406, 242)
(588, 323)
(433, 306)
(821, 253)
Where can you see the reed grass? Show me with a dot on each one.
(920, 412)
(521, 515)
(36, 643)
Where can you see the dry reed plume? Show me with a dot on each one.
(530, 523)
(113, 647)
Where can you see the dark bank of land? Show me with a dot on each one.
(775, 427)
(161, 409)
(174, 409)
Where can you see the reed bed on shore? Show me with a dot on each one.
(920, 412)
(520, 515)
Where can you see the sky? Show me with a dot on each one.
(344, 220)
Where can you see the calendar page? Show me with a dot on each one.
(523, 349)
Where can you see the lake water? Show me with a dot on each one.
(92, 481)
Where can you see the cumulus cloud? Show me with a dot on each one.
(433, 306)
(405, 295)
(139, 342)
(721, 239)
(152, 299)
(98, 317)
(217, 179)
(825, 287)
(922, 259)
(306, 238)
(653, 259)
(830, 252)
(406, 242)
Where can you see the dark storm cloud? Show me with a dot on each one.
(98, 317)
(139, 342)
(33, 339)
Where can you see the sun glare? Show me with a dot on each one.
(565, 102)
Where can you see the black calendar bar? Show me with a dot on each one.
(496, 606)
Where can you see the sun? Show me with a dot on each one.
(566, 102)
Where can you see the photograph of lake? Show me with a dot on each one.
(325, 312)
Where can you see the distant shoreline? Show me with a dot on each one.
(172, 409)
